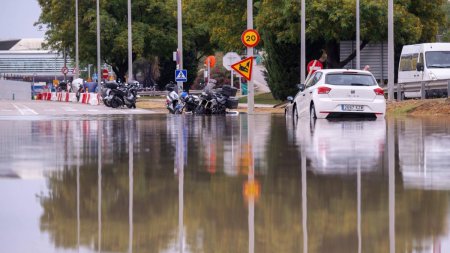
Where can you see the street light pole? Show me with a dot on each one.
(391, 50)
(99, 74)
(251, 90)
(302, 44)
(77, 67)
(130, 45)
(358, 42)
(180, 41)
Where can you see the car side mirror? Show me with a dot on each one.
(419, 66)
(290, 99)
(301, 87)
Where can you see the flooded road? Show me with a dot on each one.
(162, 183)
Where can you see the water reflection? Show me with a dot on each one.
(232, 184)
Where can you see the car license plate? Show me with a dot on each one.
(351, 108)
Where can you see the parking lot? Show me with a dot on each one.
(49, 108)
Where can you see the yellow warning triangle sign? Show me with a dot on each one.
(244, 68)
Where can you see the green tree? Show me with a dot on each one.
(154, 35)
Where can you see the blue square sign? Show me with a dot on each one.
(180, 75)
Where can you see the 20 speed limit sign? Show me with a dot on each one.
(250, 38)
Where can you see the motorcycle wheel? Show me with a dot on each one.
(115, 102)
(107, 102)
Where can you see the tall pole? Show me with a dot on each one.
(358, 42)
(76, 41)
(130, 45)
(302, 44)
(391, 50)
(250, 97)
(180, 41)
(99, 72)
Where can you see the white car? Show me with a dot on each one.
(331, 93)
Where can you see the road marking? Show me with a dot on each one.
(20, 110)
(30, 110)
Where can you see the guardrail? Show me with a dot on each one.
(420, 87)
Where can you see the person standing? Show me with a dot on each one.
(315, 65)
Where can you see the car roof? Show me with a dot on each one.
(327, 71)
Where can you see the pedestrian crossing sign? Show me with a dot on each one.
(180, 75)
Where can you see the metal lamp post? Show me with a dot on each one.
(251, 90)
(391, 50)
(130, 45)
(180, 41)
(358, 42)
(77, 67)
(99, 74)
(302, 44)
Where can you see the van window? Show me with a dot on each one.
(405, 63)
(438, 59)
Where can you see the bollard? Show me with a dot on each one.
(422, 90)
(448, 88)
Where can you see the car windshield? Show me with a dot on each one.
(351, 79)
(438, 59)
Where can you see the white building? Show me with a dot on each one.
(27, 57)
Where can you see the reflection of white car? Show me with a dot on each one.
(338, 92)
(336, 147)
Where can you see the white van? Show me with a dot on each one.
(435, 58)
(432, 58)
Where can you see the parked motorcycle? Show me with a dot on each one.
(218, 101)
(173, 101)
(118, 95)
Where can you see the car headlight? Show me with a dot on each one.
(432, 76)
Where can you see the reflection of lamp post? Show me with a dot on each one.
(99, 139)
(130, 186)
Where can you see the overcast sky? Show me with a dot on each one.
(17, 18)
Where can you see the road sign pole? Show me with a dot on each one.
(130, 45)
(302, 44)
(231, 78)
(209, 69)
(250, 96)
(180, 41)
(391, 50)
(99, 74)
(76, 41)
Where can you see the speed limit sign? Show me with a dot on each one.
(250, 38)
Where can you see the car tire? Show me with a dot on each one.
(312, 112)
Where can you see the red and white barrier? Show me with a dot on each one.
(85, 98)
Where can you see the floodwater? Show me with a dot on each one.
(256, 183)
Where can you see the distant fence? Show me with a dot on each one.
(15, 90)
